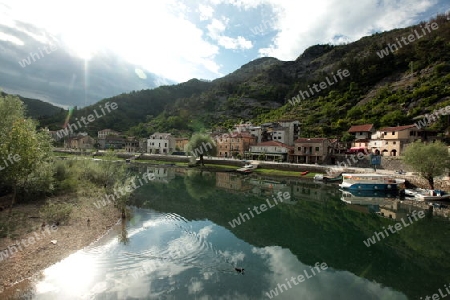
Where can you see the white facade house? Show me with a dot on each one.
(161, 143)
(281, 135)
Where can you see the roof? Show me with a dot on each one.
(108, 130)
(361, 128)
(310, 140)
(113, 138)
(164, 134)
(76, 138)
(233, 134)
(397, 128)
(272, 143)
(361, 141)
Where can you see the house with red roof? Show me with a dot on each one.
(362, 134)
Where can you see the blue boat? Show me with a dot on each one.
(370, 182)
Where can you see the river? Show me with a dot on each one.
(184, 241)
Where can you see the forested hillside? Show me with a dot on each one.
(387, 89)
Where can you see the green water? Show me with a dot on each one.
(180, 245)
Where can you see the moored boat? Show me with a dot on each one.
(426, 194)
(244, 171)
(247, 169)
(370, 182)
(337, 178)
(318, 177)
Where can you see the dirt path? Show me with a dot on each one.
(30, 249)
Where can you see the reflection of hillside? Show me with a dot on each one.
(231, 182)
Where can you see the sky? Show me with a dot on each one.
(207, 39)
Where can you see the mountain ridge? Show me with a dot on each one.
(260, 90)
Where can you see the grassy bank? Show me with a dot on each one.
(274, 172)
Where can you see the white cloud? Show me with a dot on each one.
(205, 231)
(167, 38)
(215, 30)
(10, 38)
(206, 12)
(303, 24)
(326, 284)
(234, 43)
(155, 35)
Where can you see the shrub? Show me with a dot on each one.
(56, 212)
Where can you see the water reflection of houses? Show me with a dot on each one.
(162, 174)
(391, 208)
(310, 192)
(267, 187)
(232, 182)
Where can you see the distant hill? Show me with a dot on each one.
(382, 87)
(38, 109)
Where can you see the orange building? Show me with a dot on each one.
(235, 143)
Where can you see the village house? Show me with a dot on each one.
(180, 143)
(391, 141)
(131, 144)
(362, 134)
(161, 143)
(111, 142)
(109, 139)
(283, 131)
(230, 145)
(102, 134)
(270, 150)
(311, 150)
(79, 142)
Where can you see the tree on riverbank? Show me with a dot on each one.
(25, 152)
(200, 145)
(430, 160)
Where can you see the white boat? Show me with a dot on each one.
(370, 182)
(318, 177)
(247, 169)
(426, 194)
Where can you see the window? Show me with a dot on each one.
(387, 143)
(165, 144)
(393, 132)
(394, 143)
(317, 149)
(299, 148)
(385, 133)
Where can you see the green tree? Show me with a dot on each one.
(430, 160)
(200, 145)
(26, 153)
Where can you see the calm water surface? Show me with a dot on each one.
(180, 244)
